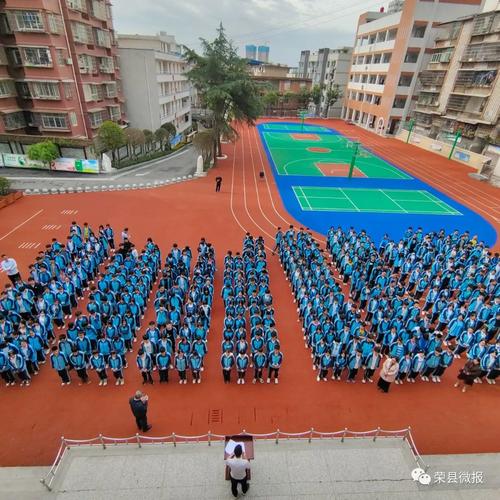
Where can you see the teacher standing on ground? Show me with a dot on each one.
(139, 407)
(388, 373)
(238, 466)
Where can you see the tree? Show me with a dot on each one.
(161, 136)
(333, 94)
(270, 99)
(148, 138)
(45, 152)
(171, 131)
(225, 86)
(304, 96)
(316, 93)
(203, 143)
(111, 137)
(134, 137)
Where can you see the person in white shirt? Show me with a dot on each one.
(125, 235)
(9, 266)
(238, 466)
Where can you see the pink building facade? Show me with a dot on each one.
(59, 71)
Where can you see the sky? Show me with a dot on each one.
(287, 26)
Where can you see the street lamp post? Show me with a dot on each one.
(410, 129)
(353, 159)
(455, 142)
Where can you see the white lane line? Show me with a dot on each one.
(22, 224)
(69, 212)
(28, 245)
(51, 227)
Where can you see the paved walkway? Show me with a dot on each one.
(324, 469)
(175, 165)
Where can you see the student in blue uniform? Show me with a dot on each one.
(326, 362)
(445, 360)
(79, 363)
(417, 366)
(404, 368)
(98, 363)
(181, 364)
(60, 363)
(163, 362)
(275, 360)
(18, 366)
(339, 366)
(431, 363)
(195, 361)
(145, 365)
(115, 362)
(227, 362)
(371, 363)
(242, 362)
(354, 363)
(259, 361)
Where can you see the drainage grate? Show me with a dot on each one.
(215, 416)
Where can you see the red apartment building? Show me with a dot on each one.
(59, 73)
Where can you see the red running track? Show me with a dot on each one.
(443, 419)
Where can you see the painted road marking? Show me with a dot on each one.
(29, 245)
(51, 227)
(22, 224)
(69, 212)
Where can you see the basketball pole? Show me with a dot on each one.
(353, 159)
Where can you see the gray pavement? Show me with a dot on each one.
(178, 164)
(324, 469)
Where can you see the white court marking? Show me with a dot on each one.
(28, 245)
(22, 224)
(51, 227)
(69, 212)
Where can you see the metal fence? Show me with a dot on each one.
(176, 439)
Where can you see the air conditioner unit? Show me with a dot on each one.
(69, 61)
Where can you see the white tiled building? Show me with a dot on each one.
(155, 85)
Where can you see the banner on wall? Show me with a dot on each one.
(22, 161)
(175, 140)
(60, 165)
(72, 165)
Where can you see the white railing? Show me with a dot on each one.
(175, 439)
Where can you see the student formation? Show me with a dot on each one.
(426, 300)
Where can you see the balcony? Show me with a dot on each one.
(482, 53)
(475, 83)
(432, 79)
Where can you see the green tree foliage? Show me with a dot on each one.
(111, 137)
(225, 86)
(161, 136)
(304, 97)
(332, 96)
(45, 152)
(203, 142)
(148, 138)
(171, 132)
(134, 138)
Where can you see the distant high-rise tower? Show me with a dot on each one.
(263, 53)
(250, 51)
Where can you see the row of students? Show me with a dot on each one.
(31, 311)
(183, 309)
(248, 305)
(396, 324)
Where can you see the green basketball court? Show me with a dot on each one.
(294, 127)
(394, 201)
(311, 154)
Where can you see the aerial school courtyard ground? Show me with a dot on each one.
(394, 185)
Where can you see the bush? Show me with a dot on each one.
(4, 186)
(141, 159)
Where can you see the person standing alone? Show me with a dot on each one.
(139, 407)
(238, 467)
(9, 266)
(218, 183)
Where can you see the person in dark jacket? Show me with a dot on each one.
(139, 407)
(468, 374)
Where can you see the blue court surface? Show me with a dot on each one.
(379, 205)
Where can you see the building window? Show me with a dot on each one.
(102, 38)
(418, 30)
(399, 102)
(13, 121)
(26, 20)
(55, 23)
(45, 90)
(110, 89)
(72, 119)
(68, 90)
(411, 57)
(80, 5)
(97, 118)
(98, 9)
(106, 65)
(14, 56)
(376, 99)
(87, 64)
(405, 80)
(82, 33)
(6, 88)
(114, 113)
(54, 121)
(442, 56)
(386, 58)
(36, 56)
(377, 58)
